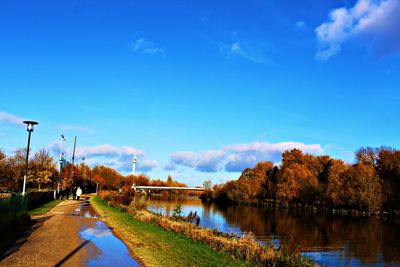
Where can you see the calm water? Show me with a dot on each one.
(329, 240)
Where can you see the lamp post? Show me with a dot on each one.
(29, 128)
(61, 162)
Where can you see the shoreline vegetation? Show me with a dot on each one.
(370, 187)
(144, 232)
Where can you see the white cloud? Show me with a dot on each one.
(235, 158)
(11, 118)
(119, 158)
(98, 231)
(145, 46)
(209, 161)
(107, 151)
(146, 165)
(376, 22)
(247, 155)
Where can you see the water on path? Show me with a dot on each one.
(112, 251)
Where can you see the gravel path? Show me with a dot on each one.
(55, 240)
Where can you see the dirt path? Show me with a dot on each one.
(66, 236)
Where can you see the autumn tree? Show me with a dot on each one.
(388, 166)
(362, 187)
(15, 169)
(268, 187)
(234, 191)
(85, 178)
(297, 183)
(335, 193)
(298, 177)
(169, 180)
(258, 180)
(42, 169)
(84, 171)
(5, 179)
(367, 155)
(141, 179)
(108, 177)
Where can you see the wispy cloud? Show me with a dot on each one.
(235, 158)
(82, 129)
(297, 116)
(376, 22)
(11, 118)
(300, 24)
(245, 51)
(145, 46)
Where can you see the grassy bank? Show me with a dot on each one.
(153, 246)
(45, 208)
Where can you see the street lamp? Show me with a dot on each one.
(61, 162)
(29, 128)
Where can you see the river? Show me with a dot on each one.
(331, 240)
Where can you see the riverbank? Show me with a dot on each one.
(156, 240)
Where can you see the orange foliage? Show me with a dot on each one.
(297, 183)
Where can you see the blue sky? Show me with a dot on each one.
(200, 89)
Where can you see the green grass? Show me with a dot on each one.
(44, 208)
(153, 246)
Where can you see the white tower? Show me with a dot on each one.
(134, 160)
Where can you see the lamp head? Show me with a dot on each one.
(30, 124)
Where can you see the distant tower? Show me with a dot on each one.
(134, 160)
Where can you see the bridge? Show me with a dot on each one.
(142, 187)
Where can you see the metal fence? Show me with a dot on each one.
(12, 207)
(37, 199)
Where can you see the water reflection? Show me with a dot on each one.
(113, 251)
(86, 211)
(329, 240)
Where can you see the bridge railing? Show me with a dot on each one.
(144, 187)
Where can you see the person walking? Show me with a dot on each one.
(74, 192)
(78, 193)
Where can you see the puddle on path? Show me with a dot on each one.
(86, 211)
(113, 252)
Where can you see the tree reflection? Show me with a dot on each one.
(366, 239)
